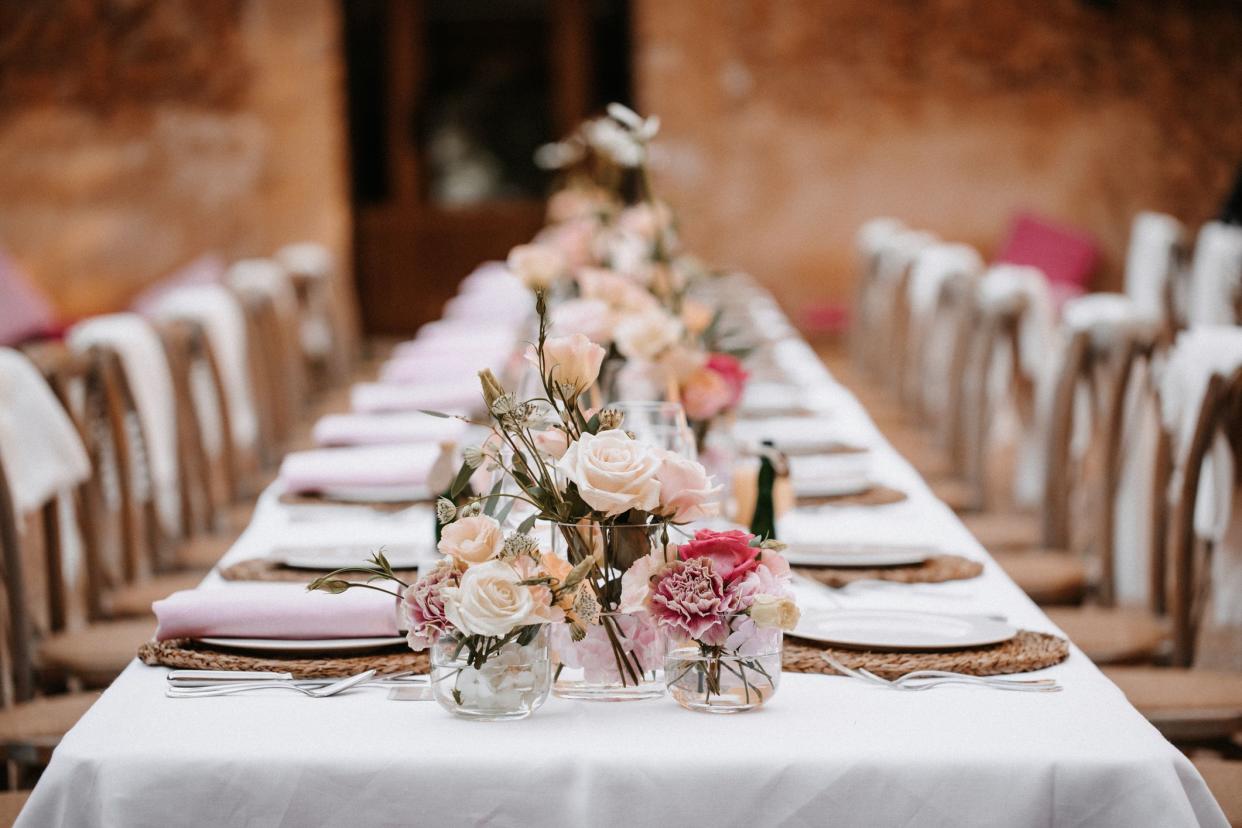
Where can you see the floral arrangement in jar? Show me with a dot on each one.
(723, 599)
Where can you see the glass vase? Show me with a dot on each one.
(621, 656)
(725, 680)
(483, 679)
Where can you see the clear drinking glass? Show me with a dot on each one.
(510, 683)
(621, 658)
(663, 424)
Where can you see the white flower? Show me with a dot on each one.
(618, 292)
(570, 360)
(686, 490)
(592, 318)
(614, 473)
(644, 336)
(627, 253)
(472, 540)
(489, 600)
(771, 611)
(558, 154)
(643, 129)
(537, 265)
(613, 141)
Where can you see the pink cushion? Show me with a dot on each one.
(25, 311)
(1066, 256)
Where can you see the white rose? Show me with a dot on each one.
(686, 490)
(472, 540)
(774, 611)
(489, 600)
(590, 317)
(646, 335)
(537, 265)
(570, 359)
(613, 472)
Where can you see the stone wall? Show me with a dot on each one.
(136, 136)
(788, 123)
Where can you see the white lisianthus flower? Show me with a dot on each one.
(686, 490)
(774, 611)
(472, 540)
(613, 472)
(489, 600)
(573, 360)
(537, 265)
(614, 141)
(643, 129)
(644, 336)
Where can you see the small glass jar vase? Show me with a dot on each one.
(621, 657)
(723, 680)
(482, 679)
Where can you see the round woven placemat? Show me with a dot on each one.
(1024, 652)
(875, 496)
(186, 654)
(262, 569)
(934, 570)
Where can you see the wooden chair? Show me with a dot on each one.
(1186, 703)
(75, 645)
(1224, 780)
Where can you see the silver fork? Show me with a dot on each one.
(333, 689)
(914, 681)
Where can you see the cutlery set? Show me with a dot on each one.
(931, 679)
(199, 684)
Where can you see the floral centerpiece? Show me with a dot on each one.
(724, 599)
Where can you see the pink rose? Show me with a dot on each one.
(686, 490)
(730, 369)
(688, 597)
(730, 552)
(705, 394)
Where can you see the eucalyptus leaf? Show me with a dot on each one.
(461, 480)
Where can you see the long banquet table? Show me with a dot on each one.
(826, 750)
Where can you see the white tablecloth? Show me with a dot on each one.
(826, 750)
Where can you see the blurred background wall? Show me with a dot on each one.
(136, 136)
(787, 124)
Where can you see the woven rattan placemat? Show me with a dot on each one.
(934, 570)
(263, 569)
(1024, 652)
(875, 496)
(186, 654)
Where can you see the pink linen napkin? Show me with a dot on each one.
(385, 429)
(321, 470)
(459, 397)
(275, 611)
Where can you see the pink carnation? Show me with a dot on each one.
(689, 597)
(730, 369)
(731, 554)
(423, 606)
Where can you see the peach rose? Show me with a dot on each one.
(705, 394)
(472, 541)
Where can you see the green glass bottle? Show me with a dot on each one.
(763, 523)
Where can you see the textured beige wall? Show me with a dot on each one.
(134, 138)
(790, 122)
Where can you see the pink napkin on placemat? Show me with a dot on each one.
(275, 611)
(325, 470)
(427, 369)
(459, 397)
(385, 429)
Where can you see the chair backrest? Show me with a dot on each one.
(1220, 413)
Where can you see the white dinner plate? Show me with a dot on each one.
(310, 645)
(339, 556)
(901, 630)
(856, 554)
(377, 494)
